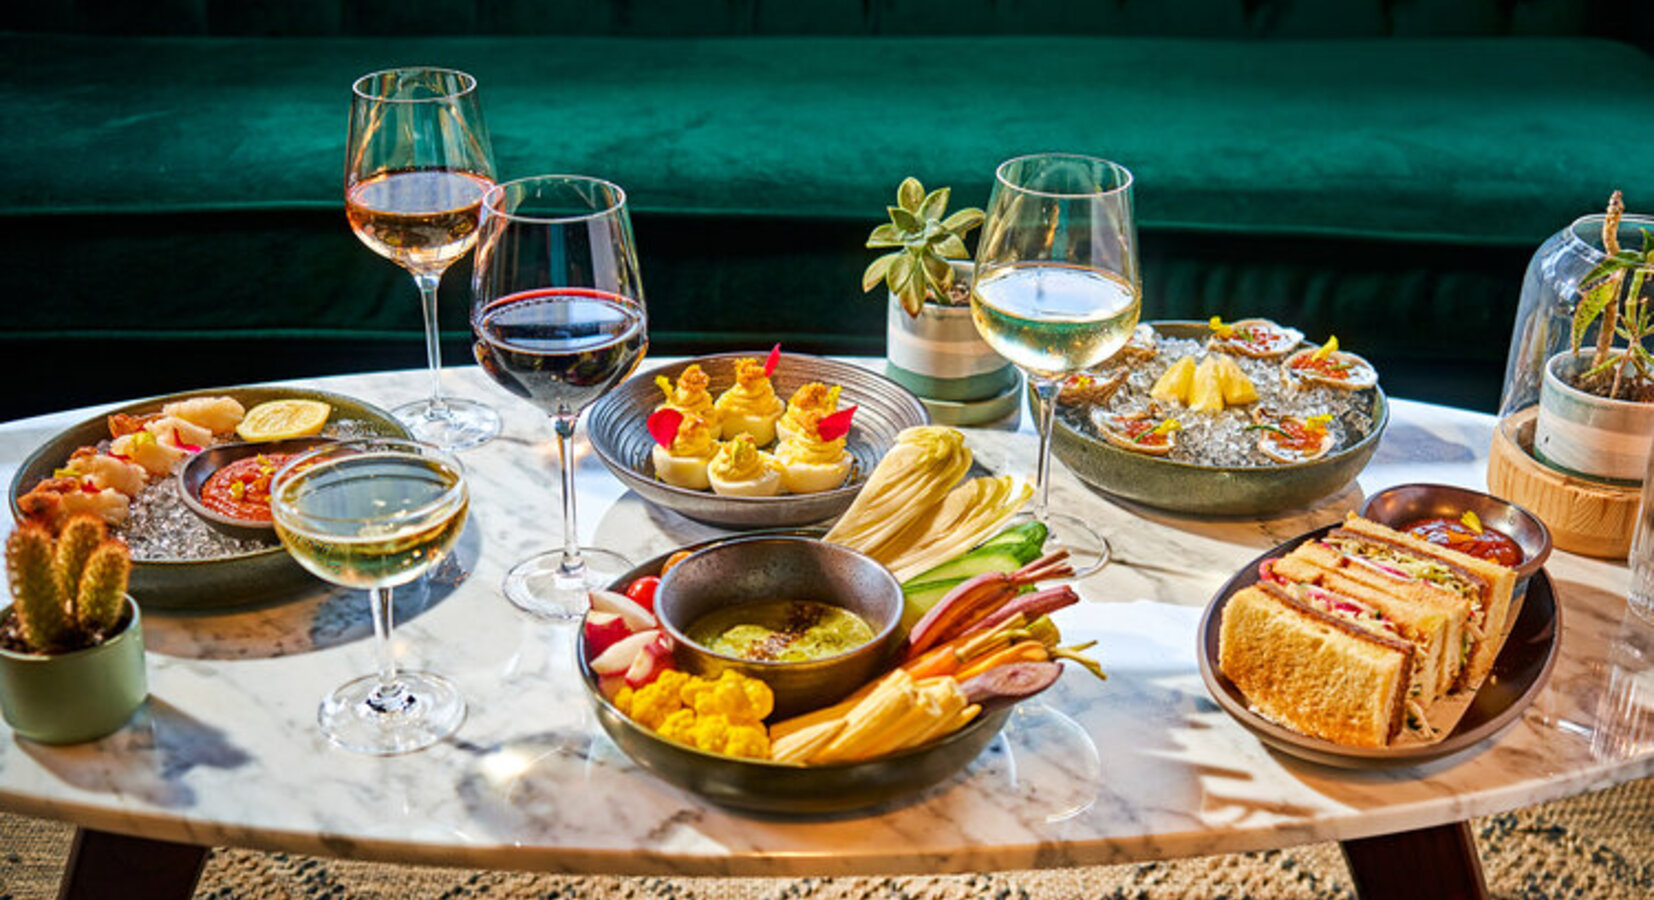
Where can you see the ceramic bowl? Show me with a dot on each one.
(197, 469)
(1214, 490)
(1406, 503)
(262, 575)
(620, 436)
(760, 569)
(773, 788)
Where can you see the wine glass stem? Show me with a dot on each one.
(572, 563)
(1046, 390)
(428, 282)
(388, 696)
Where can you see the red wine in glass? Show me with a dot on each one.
(560, 348)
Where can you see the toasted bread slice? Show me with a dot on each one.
(1435, 620)
(1312, 671)
(1459, 572)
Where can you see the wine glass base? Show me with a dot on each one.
(427, 710)
(1088, 551)
(542, 587)
(452, 424)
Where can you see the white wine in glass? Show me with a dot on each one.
(1056, 291)
(418, 161)
(374, 514)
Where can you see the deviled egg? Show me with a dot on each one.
(740, 469)
(690, 395)
(683, 462)
(810, 404)
(750, 406)
(809, 464)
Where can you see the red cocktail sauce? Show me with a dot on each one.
(1491, 545)
(241, 490)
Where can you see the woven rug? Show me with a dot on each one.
(1596, 847)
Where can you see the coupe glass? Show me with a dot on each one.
(558, 314)
(417, 164)
(1057, 290)
(374, 514)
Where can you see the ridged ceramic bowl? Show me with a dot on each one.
(777, 788)
(258, 576)
(1214, 490)
(620, 434)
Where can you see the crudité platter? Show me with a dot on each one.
(732, 672)
(179, 560)
(1187, 421)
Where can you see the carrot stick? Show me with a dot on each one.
(1022, 651)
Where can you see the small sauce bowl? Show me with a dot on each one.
(769, 568)
(1399, 505)
(198, 468)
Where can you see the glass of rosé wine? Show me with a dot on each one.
(557, 310)
(418, 161)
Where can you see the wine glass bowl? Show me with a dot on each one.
(372, 515)
(418, 161)
(558, 315)
(1057, 290)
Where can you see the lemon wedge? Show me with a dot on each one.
(278, 420)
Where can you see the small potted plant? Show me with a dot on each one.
(1596, 411)
(932, 346)
(71, 652)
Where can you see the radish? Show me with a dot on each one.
(619, 656)
(637, 618)
(655, 658)
(603, 630)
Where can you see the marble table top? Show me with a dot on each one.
(1143, 766)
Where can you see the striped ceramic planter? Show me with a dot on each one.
(1589, 435)
(939, 355)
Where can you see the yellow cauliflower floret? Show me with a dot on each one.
(677, 726)
(709, 733)
(672, 680)
(740, 699)
(749, 741)
(623, 700)
(652, 703)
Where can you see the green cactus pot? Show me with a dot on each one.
(66, 698)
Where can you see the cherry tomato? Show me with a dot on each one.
(673, 560)
(642, 591)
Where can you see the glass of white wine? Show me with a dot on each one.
(418, 160)
(1057, 290)
(373, 514)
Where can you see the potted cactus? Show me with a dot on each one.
(71, 652)
(932, 347)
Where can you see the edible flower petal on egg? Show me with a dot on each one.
(750, 406)
(740, 469)
(690, 395)
(683, 462)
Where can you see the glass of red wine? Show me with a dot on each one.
(418, 161)
(558, 315)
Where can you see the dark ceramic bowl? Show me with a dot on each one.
(762, 569)
(197, 469)
(776, 788)
(1214, 490)
(1406, 503)
(257, 576)
(620, 435)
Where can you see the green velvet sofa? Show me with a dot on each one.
(1382, 169)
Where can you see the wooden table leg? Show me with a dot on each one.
(1430, 863)
(103, 865)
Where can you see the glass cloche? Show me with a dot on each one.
(1577, 412)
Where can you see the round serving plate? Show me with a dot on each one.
(1213, 490)
(619, 432)
(258, 576)
(775, 788)
(1519, 672)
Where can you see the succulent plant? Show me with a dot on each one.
(69, 593)
(926, 241)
